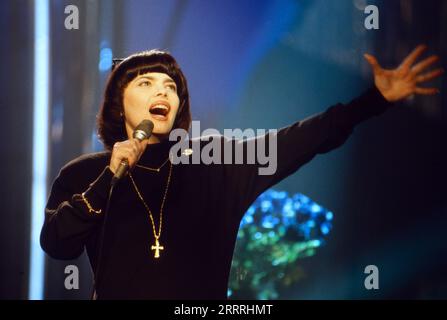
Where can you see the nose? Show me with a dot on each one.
(161, 91)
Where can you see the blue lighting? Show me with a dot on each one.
(311, 224)
(274, 211)
(297, 205)
(315, 243)
(40, 145)
(315, 208)
(266, 205)
(325, 228)
(274, 234)
(278, 194)
(288, 209)
(302, 199)
(247, 219)
(269, 221)
(105, 59)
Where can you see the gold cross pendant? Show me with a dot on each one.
(157, 249)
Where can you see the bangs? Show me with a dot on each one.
(168, 69)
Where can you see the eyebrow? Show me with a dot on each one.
(152, 78)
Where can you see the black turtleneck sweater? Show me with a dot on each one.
(201, 216)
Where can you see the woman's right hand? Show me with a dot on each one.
(131, 150)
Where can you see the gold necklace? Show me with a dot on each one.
(152, 169)
(157, 247)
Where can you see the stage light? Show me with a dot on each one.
(105, 59)
(40, 145)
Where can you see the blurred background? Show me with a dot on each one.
(250, 64)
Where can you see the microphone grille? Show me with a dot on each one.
(143, 130)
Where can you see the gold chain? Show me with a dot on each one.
(152, 169)
(156, 236)
(89, 206)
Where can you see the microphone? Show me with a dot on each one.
(141, 132)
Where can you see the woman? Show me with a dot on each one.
(171, 230)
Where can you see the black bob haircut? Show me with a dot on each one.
(110, 120)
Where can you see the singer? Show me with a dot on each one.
(171, 229)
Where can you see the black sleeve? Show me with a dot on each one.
(68, 221)
(298, 143)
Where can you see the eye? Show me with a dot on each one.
(144, 83)
(172, 87)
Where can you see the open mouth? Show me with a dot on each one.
(159, 111)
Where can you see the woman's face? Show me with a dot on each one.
(151, 96)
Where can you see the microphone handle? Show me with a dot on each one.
(140, 135)
(121, 171)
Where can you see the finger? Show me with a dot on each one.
(130, 146)
(426, 91)
(141, 145)
(123, 154)
(424, 64)
(138, 151)
(130, 156)
(136, 146)
(428, 76)
(411, 58)
(373, 62)
(116, 145)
